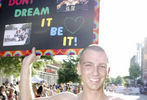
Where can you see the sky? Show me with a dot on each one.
(122, 24)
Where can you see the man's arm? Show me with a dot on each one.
(26, 85)
(25, 77)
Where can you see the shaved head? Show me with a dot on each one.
(91, 47)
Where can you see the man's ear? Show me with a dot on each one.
(78, 69)
(108, 71)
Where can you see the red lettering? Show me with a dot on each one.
(19, 2)
(26, 2)
(11, 2)
(31, 1)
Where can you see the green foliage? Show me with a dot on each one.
(12, 65)
(38, 65)
(134, 71)
(108, 81)
(139, 81)
(48, 58)
(118, 80)
(126, 80)
(113, 80)
(127, 77)
(68, 71)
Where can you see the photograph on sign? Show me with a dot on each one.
(72, 5)
(17, 34)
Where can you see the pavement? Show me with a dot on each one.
(128, 97)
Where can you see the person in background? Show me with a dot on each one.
(12, 95)
(3, 95)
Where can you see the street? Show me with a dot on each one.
(129, 97)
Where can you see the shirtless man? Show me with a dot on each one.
(92, 67)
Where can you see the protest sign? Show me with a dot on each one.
(54, 27)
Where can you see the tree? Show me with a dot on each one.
(118, 80)
(108, 81)
(135, 72)
(68, 71)
(126, 80)
(44, 60)
(112, 80)
(12, 65)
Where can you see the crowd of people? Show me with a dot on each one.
(9, 91)
(44, 90)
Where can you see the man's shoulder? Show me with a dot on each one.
(65, 96)
(60, 96)
(115, 98)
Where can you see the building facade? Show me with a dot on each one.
(140, 57)
(49, 74)
(145, 63)
(139, 54)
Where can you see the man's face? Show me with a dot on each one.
(93, 69)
